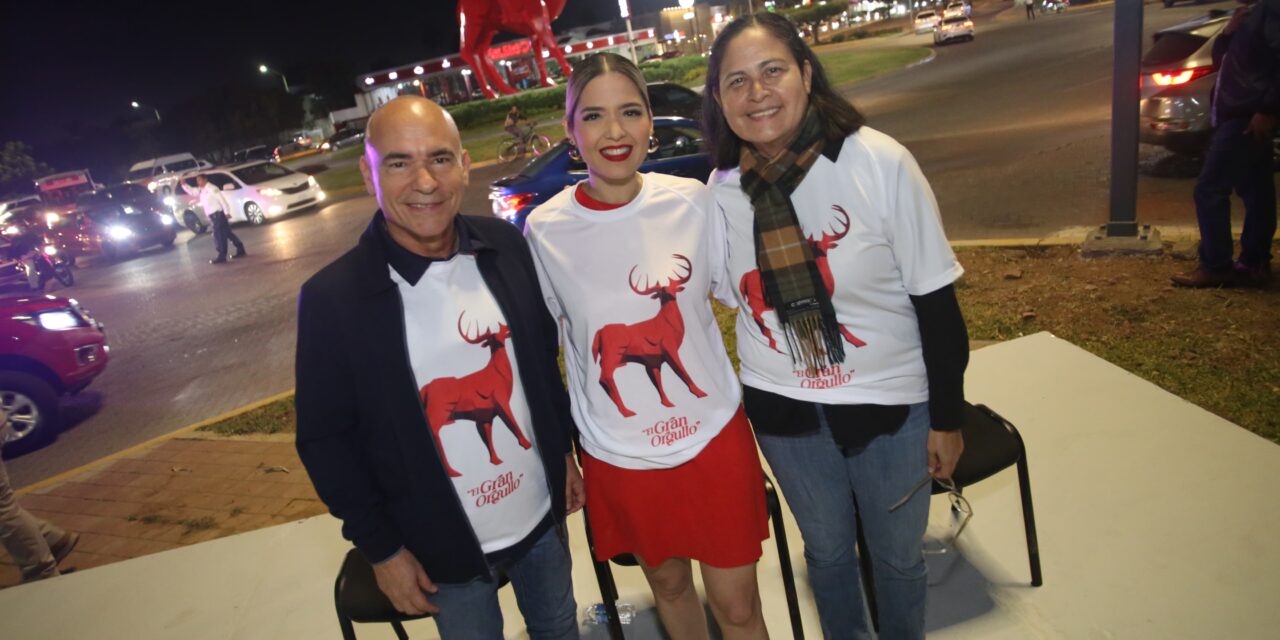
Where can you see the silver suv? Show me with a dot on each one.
(1178, 75)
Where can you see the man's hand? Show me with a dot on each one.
(406, 584)
(945, 448)
(1262, 126)
(575, 493)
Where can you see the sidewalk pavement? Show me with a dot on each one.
(179, 490)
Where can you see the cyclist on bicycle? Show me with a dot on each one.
(516, 123)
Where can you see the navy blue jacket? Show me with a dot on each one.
(1248, 64)
(362, 434)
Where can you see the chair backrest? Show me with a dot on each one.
(991, 444)
(357, 596)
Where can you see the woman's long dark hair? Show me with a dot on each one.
(839, 118)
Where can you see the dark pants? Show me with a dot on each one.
(1031, 10)
(1242, 162)
(222, 232)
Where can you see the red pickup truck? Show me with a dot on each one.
(52, 347)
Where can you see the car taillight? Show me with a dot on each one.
(1179, 76)
(506, 206)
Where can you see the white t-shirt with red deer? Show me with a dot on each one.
(469, 383)
(649, 378)
(873, 225)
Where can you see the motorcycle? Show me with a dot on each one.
(1055, 6)
(42, 263)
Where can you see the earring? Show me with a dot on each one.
(574, 154)
(653, 144)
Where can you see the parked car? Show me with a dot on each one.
(679, 153)
(1178, 76)
(150, 173)
(671, 99)
(296, 149)
(117, 230)
(956, 10)
(56, 348)
(953, 29)
(251, 154)
(343, 139)
(659, 57)
(21, 201)
(256, 191)
(927, 21)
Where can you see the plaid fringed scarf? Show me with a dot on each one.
(792, 283)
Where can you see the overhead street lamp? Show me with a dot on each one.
(262, 68)
(136, 105)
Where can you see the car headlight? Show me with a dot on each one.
(311, 180)
(119, 233)
(57, 320)
(325, 146)
(51, 218)
(129, 209)
(53, 319)
(50, 250)
(272, 193)
(12, 230)
(166, 219)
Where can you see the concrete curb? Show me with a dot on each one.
(124, 453)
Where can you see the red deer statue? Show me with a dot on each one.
(752, 288)
(480, 396)
(651, 342)
(480, 20)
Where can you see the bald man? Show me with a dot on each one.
(431, 414)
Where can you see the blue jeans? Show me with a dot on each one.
(821, 485)
(1243, 163)
(543, 584)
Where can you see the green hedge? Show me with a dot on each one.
(686, 70)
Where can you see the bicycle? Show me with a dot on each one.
(511, 147)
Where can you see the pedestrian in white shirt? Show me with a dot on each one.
(216, 206)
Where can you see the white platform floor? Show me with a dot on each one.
(1156, 519)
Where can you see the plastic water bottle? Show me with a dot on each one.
(596, 614)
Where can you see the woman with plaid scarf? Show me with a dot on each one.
(852, 344)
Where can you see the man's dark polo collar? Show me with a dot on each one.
(410, 265)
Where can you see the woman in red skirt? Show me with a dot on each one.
(628, 262)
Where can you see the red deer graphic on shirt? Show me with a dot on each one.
(650, 343)
(480, 396)
(752, 287)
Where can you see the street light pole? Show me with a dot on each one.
(262, 68)
(136, 105)
(625, 8)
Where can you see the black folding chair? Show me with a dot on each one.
(991, 444)
(609, 589)
(357, 598)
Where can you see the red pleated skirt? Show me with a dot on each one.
(711, 509)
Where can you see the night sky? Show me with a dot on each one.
(66, 64)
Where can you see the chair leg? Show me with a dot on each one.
(400, 633)
(784, 559)
(608, 588)
(1029, 519)
(348, 630)
(868, 577)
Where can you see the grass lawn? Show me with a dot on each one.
(850, 66)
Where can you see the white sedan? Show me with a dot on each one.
(953, 29)
(256, 191)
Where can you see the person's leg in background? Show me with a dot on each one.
(35, 545)
(1223, 164)
(1257, 188)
